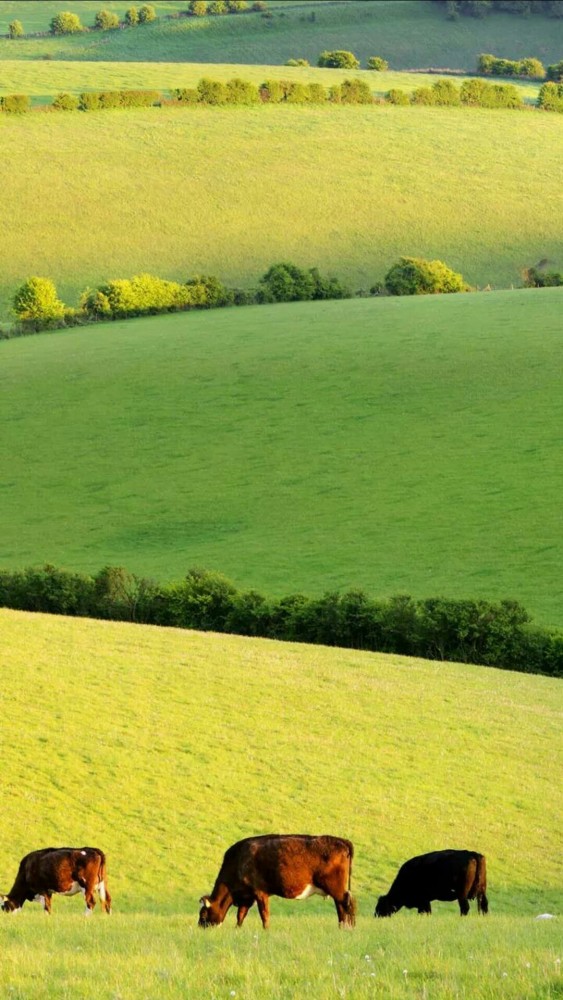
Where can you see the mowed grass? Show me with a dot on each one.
(410, 35)
(163, 747)
(399, 445)
(180, 190)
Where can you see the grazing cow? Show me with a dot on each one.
(293, 866)
(64, 870)
(443, 875)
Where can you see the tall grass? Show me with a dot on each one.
(398, 445)
(163, 747)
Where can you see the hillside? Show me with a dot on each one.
(118, 193)
(395, 444)
(410, 34)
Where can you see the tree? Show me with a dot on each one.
(147, 13)
(415, 276)
(66, 23)
(531, 68)
(198, 8)
(338, 59)
(106, 20)
(37, 301)
(131, 17)
(378, 64)
(555, 72)
(15, 29)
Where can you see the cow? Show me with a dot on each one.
(443, 875)
(63, 870)
(293, 866)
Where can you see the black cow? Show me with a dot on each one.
(443, 875)
(64, 870)
(293, 866)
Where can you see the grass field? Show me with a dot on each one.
(175, 191)
(399, 445)
(410, 34)
(125, 738)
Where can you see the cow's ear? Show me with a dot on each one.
(205, 901)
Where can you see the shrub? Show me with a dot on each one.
(531, 68)
(537, 278)
(131, 17)
(260, 6)
(147, 14)
(95, 304)
(139, 98)
(499, 95)
(550, 97)
(274, 91)
(414, 276)
(15, 104)
(397, 96)
(89, 101)
(37, 301)
(65, 102)
(297, 62)
(317, 93)
(377, 63)
(471, 92)
(15, 29)
(495, 66)
(242, 92)
(423, 95)
(217, 7)
(297, 93)
(109, 99)
(338, 59)
(212, 91)
(287, 282)
(555, 72)
(186, 95)
(66, 23)
(446, 94)
(198, 8)
(142, 295)
(207, 292)
(355, 92)
(106, 20)
(485, 63)
(203, 601)
(236, 6)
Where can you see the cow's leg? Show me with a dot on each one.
(482, 903)
(46, 903)
(89, 898)
(105, 898)
(264, 908)
(242, 911)
(346, 910)
(425, 908)
(463, 907)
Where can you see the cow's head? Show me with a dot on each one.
(385, 907)
(210, 914)
(8, 905)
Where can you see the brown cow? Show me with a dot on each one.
(442, 875)
(293, 866)
(64, 870)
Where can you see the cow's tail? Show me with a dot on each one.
(479, 888)
(102, 882)
(349, 901)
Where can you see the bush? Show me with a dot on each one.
(139, 98)
(274, 91)
(207, 292)
(217, 7)
(203, 601)
(132, 17)
(317, 93)
(242, 92)
(538, 278)
(109, 99)
(533, 69)
(555, 72)
(297, 62)
(186, 95)
(414, 276)
(423, 95)
(498, 95)
(472, 92)
(397, 96)
(212, 91)
(147, 14)
(15, 29)
(66, 23)
(378, 64)
(65, 102)
(260, 6)
(142, 295)
(106, 20)
(89, 101)
(338, 59)
(15, 104)
(446, 94)
(550, 97)
(37, 301)
(236, 6)
(529, 68)
(198, 8)
(287, 282)
(355, 92)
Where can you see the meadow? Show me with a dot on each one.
(405, 446)
(125, 737)
(229, 191)
(410, 35)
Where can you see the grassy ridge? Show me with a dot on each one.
(399, 445)
(117, 193)
(408, 34)
(125, 737)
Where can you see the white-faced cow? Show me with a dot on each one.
(442, 875)
(293, 866)
(63, 870)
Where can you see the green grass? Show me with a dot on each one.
(229, 191)
(395, 444)
(408, 34)
(163, 747)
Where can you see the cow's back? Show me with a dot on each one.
(272, 862)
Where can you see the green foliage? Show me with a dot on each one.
(37, 300)
(554, 72)
(241, 92)
(131, 17)
(423, 95)
(66, 23)
(186, 95)
(212, 91)
(355, 92)
(446, 93)
(397, 96)
(528, 68)
(15, 104)
(540, 278)
(236, 6)
(414, 276)
(472, 92)
(147, 13)
(289, 283)
(106, 20)
(15, 29)
(297, 62)
(142, 295)
(198, 8)
(550, 97)
(377, 63)
(217, 7)
(274, 91)
(89, 100)
(207, 292)
(65, 102)
(99, 100)
(338, 59)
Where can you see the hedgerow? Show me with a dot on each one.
(529, 68)
(499, 634)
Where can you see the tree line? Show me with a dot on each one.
(499, 634)
(483, 8)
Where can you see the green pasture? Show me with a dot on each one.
(400, 445)
(163, 747)
(229, 191)
(42, 80)
(410, 34)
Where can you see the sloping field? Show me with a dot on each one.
(400, 445)
(163, 747)
(410, 34)
(230, 191)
